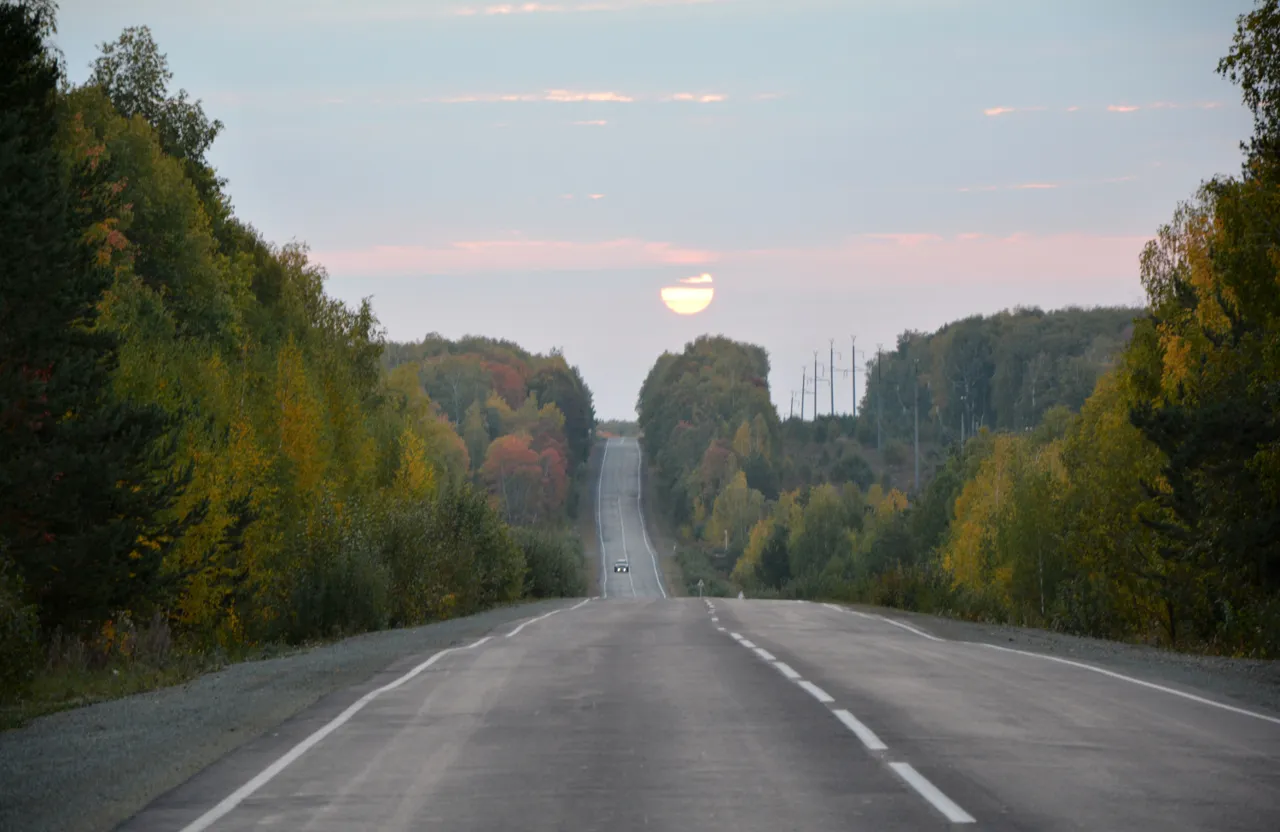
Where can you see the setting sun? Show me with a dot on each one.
(689, 299)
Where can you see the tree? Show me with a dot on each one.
(135, 75)
(84, 476)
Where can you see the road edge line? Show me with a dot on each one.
(231, 801)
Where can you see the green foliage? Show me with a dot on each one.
(193, 432)
(19, 635)
(555, 560)
(1153, 514)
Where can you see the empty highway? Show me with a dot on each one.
(621, 527)
(633, 711)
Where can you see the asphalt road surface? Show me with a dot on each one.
(637, 712)
(621, 528)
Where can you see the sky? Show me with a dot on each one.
(842, 168)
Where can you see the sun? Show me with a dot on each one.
(690, 298)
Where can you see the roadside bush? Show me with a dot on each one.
(695, 565)
(19, 637)
(341, 585)
(472, 551)
(554, 563)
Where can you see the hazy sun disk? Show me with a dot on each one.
(687, 300)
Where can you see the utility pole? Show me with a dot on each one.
(831, 366)
(792, 412)
(916, 387)
(879, 398)
(803, 370)
(815, 385)
(853, 362)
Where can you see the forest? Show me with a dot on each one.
(1113, 473)
(201, 453)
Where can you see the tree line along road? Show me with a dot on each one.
(629, 712)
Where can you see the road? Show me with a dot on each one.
(621, 527)
(634, 711)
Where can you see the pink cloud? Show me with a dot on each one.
(518, 255)
(503, 9)
(597, 123)
(997, 111)
(710, 98)
(912, 257)
(1122, 108)
(1035, 186)
(971, 257)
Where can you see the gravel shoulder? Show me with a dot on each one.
(94, 767)
(1247, 683)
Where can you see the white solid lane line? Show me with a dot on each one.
(930, 792)
(1134, 681)
(644, 526)
(604, 573)
(815, 691)
(908, 628)
(868, 737)
(531, 621)
(266, 775)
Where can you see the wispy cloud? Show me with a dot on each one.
(914, 258)
(596, 123)
(506, 9)
(512, 255)
(702, 278)
(1112, 108)
(595, 196)
(1048, 186)
(700, 98)
(909, 257)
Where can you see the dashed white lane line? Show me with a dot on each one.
(931, 793)
(816, 692)
(715, 619)
(909, 775)
(787, 670)
(868, 737)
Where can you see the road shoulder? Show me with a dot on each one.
(94, 767)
